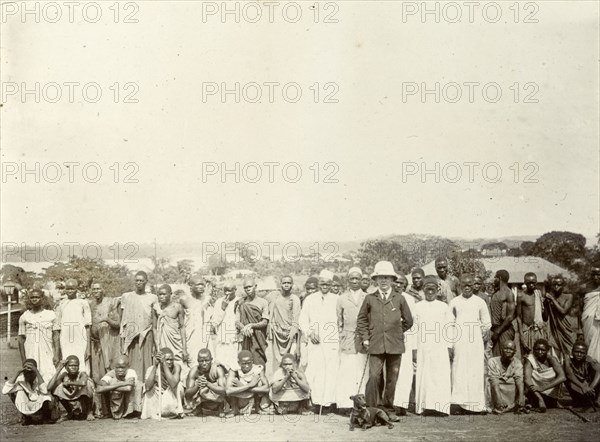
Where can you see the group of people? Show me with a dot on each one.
(438, 344)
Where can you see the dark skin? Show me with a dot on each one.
(170, 372)
(291, 372)
(579, 359)
(540, 352)
(500, 406)
(72, 378)
(248, 329)
(556, 299)
(173, 310)
(71, 292)
(504, 296)
(417, 281)
(526, 305)
(123, 384)
(198, 378)
(258, 383)
(35, 298)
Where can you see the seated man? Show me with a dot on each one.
(505, 374)
(247, 387)
(73, 388)
(290, 392)
(27, 390)
(205, 386)
(543, 376)
(120, 390)
(583, 377)
(165, 402)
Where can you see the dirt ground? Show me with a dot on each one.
(556, 425)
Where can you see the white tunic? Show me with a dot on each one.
(319, 316)
(405, 376)
(434, 324)
(472, 321)
(72, 318)
(37, 329)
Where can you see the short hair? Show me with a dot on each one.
(72, 358)
(286, 276)
(72, 281)
(205, 352)
(311, 280)
(142, 273)
(402, 277)
(503, 275)
(167, 350)
(31, 361)
(418, 270)
(541, 341)
(440, 259)
(197, 280)
(166, 287)
(244, 354)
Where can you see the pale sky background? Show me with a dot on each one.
(369, 133)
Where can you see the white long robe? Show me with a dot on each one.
(72, 318)
(352, 364)
(226, 344)
(319, 315)
(471, 322)
(37, 329)
(434, 323)
(405, 376)
(195, 330)
(590, 319)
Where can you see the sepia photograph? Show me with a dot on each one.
(314, 220)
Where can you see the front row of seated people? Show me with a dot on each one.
(210, 389)
(538, 380)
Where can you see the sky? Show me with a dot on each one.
(353, 146)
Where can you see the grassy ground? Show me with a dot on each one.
(556, 425)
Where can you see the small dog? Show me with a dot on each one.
(365, 417)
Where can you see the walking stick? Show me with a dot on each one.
(159, 390)
(583, 418)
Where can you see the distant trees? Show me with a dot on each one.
(115, 279)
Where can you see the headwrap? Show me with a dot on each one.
(326, 274)
(355, 270)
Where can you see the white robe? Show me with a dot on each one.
(353, 365)
(434, 324)
(590, 319)
(319, 315)
(72, 318)
(37, 329)
(405, 376)
(472, 321)
(226, 344)
(195, 332)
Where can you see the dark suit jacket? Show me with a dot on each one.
(384, 324)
